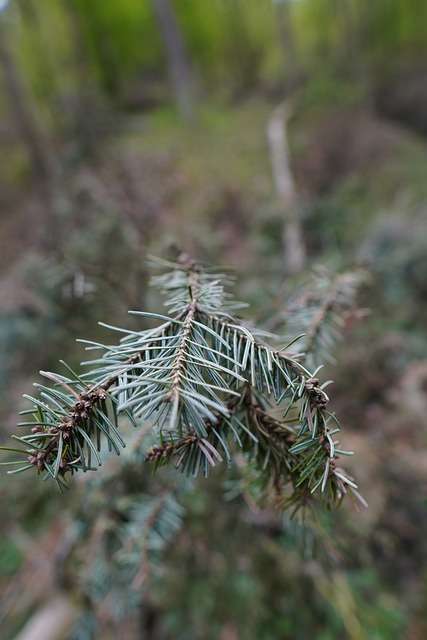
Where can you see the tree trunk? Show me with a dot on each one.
(287, 40)
(87, 128)
(353, 46)
(179, 65)
(25, 122)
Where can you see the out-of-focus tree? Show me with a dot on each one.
(179, 65)
(23, 114)
(83, 106)
(288, 41)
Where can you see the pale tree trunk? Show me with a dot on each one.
(287, 195)
(24, 120)
(179, 65)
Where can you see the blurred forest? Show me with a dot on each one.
(271, 136)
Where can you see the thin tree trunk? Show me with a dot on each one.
(25, 122)
(179, 65)
(286, 191)
(87, 128)
(287, 41)
(353, 46)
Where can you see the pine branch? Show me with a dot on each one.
(208, 385)
(121, 529)
(318, 313)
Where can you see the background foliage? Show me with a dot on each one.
(102, 163)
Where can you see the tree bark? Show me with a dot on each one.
(179, 65)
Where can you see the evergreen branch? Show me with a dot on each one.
(207, 384)
(62, 431)
(123, 532)
(317, 312)
(150, 525)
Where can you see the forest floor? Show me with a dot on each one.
(214, 177)
(208, 190)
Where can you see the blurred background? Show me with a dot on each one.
(270, 136)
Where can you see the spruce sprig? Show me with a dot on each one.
(209, 386)
(318, 312)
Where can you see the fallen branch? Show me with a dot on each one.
(286, 191)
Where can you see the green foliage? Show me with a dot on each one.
(318, 311)
(123, 39)
(396, 252)
(10, 557)
(242, 574)
(234, 47)
(208, 385)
